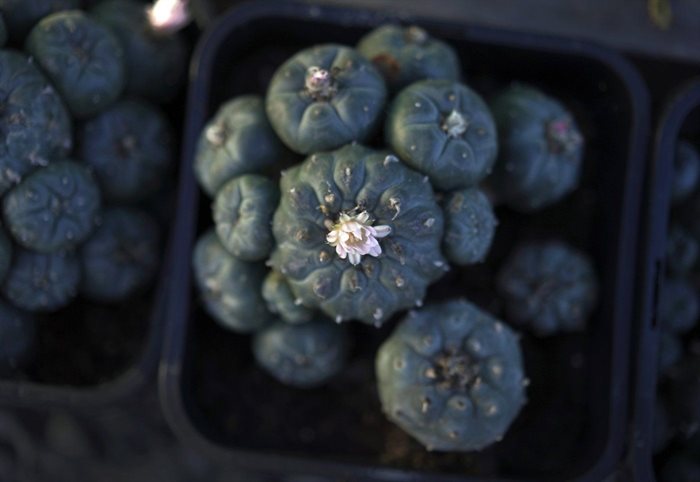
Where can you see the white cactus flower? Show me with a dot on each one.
(168, 16)
(353, 236)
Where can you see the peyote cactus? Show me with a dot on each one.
(358, 234)
(35, 126)
(130, 148)
(686, 171)
(156, 61)
(445, 130)
(121, 258)
(324, 97)
(549, 287)
(231, 288)
(238, 140)
(42, 282)
(678, 306)
(22, 15)
(540, 149)
(54, 208)
(281, 301)
(451, 376)
(408, 54)
(82, 58)
(302, 356)
(470, 225)
(17, 336)
(243, 210)
(681, 250)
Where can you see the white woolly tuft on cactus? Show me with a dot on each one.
(353, 236)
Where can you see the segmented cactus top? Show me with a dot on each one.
(451, 375)
(54, 208)
(83, 59)
(549, 287)
(445, 130)
(323, 97)
(408, 54)
(540, 149)
(358, 234)
(156, 63)
(35, 126)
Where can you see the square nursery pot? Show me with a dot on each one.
(680, 118)
(574, 424)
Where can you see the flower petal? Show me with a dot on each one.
(382, 231)
(354, 258)
(363, 217)
(340, 249)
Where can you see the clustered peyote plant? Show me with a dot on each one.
(363, 221)
(77, 156)
(677, 417)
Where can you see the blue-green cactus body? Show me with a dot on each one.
(679, 306)
(5, 253)
(130, 149)
(549, 287)
(54, 208)
(540, 149)
(282, 302)
(17, 336)
(316, 194)
(243, 210)
(302, 356)
(681, 250)
(451, 376)
(324, 97)
(230, 288)
(408, 54)
(121, 258)
(82, 58)
(35, 126)
(40, 282)
(686, 171)
(470, 225)
(22, 15)
(156, 62)
(238, 140)
(445, 130)
(669, 352)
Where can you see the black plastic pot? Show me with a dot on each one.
(681, 117)
(216, 399)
